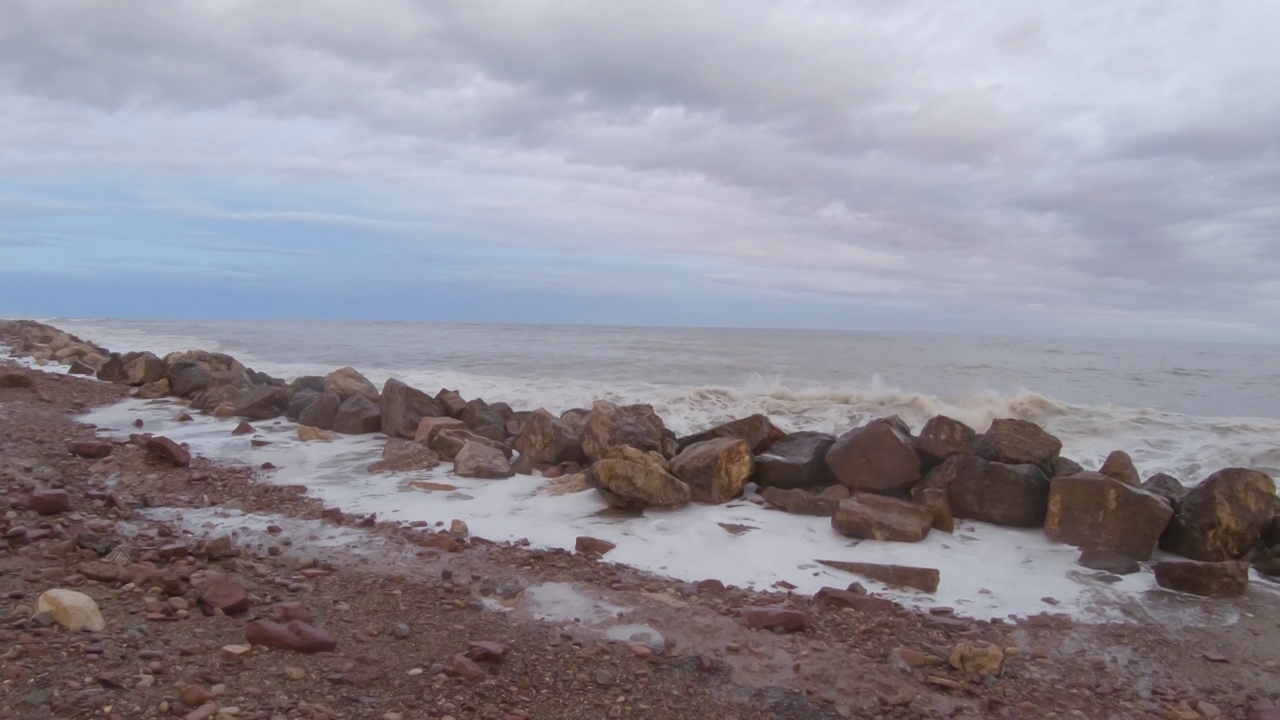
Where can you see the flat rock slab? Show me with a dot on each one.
(1207, 579)
(875, 517)
(918, 578)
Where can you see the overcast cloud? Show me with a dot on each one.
(1062, 167)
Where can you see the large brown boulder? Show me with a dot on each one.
(1223, 517)
(358, 415)
(321, 412)
(451, 402)
(1167, 487)
(485, 419)
(799, 501)
(1095, 511)
(300, 401)
(347, 382)
(877, 456)
(1207, 579)
(715, 470)
(1018, 442)
(757, 430)
(143, 368)
(1120, 466)
(262, 403)
(1010, 495)
(449, 441)
(428, 427)
(798, 460)
(187, 377)
(638, 426)
(404, 456)
(942, 437)
(477, 460)
(876, 517)
(403, 407)
(631, 478)
(545, 440)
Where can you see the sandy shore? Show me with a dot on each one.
(583, 638)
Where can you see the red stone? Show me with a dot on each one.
(165, 449)
(487, 651)
(296, 636)
(769, 618)
(137, 423)
(290, 611)
(259, 442)
(835, 597)
(243, 428)
(226, 595)
(462, 666)
(593, 546)
(91, 449)
(50, 502)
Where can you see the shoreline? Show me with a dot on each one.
(882, 632)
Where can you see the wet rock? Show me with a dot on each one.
(91, 449)
(1063, 467)
(358, 415)
(225, 594)
(243, 428)
(79, 367)
(876, 517)
(592, 546)
(447, 443)
(295, 636)
(187, 377)
(464, 667)
(153, 390)
(50, 502)
(1010, 495)
(877, 456)
(477, 460)
(487, 651)
(835, 597)
(142, 368)
(977, 659)
(162, 448)
(347, 382)
(1096, 511)
(638, 426)
(715, 470)
(935, 499)
(1108, 561)
(484, 419)
(1120, 466)
(775, 618)
(798, 460)
(918, 578)
(262, 403)
(637, 479)
(1223, 517)
(322, 412)
(942, 437)
(1207, 579)
(757, 431)
(546, 440)
(806, 502)
(1167, 487)
(428, 427)
(1018, 442)
(307, 433)
(451, 402)
(404, 407)
(404, 456)
(72, 610)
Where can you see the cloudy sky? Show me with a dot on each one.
(1075, 167)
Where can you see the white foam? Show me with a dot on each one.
(987, 571)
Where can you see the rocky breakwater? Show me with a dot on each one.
(878, 481)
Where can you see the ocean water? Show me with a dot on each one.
(1183, 408)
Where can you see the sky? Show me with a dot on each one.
(1062, 167)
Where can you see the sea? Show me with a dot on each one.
(1182, 408)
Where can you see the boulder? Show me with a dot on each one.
(451, 402)
(942, 437)
(546, 440)
(1207, 579)
(322, 412)
(757, 430)
(1099, 512)
(153, 390)
(448, 442)
(575, 418)
(403, 407)
(167, 450)
(79, 367)
(1120, 466)
(1018, 442)
(307, 433)
(300, 401)
(112, 369)
(916, 578)
(1107, 561)
(143, 368)
(1167, 487)
(1010, 495)
(347, 382)
(73, 610)
(312, 383)
(428, 427)
(1223, 517)
(876, 517)
(484, 419)
(213, 397)
(592, 546)
(405, 456)
(243, 428)
(262, 403)
(477, 460)
(798, 460)
(358, 415)
(638, 426)
(877, 456)
(1063, 467)
(935, 499)
(187, 377)
(635, 479)
(715, 470)
(799, 501)
(296, 636)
